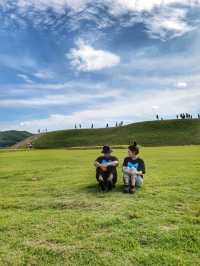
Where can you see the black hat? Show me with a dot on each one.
(106, 149)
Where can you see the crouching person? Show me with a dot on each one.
(133, 169)
(106, 172)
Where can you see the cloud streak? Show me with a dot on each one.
(25, 78)
(70, 98)
(133, 107)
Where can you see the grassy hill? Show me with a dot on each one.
(9, 138)
(153, 133)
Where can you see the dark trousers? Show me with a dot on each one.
(107, 178)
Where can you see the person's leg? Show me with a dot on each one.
(109, 182)
(132, 185)
(112, 178)
(139, 181)
(126, 183)
(101, 180)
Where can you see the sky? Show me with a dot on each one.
(66, 62)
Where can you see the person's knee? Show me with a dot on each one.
(126, 183)
(110, 178)
(100, 178)
(126, 180)
(133, 180)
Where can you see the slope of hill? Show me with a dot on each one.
(23, 143)
(152, 133)
(9, 138)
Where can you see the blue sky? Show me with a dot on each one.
(89, 61)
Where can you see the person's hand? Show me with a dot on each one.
(129, 172)
(103, 167)
(133, 171)
(139, 173)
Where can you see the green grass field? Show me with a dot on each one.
(52, 213)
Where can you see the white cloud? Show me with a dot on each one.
(87, 58)
(57, 5)
(118, 7)
(162, 18)
(181, 84)
(25, 78)
(155, 107)
(168, 23)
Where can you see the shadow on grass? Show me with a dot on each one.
(94, 189)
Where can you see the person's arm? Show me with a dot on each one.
(113, 163)
(129, 171)
(140, 173)
(141, 170)
(97, 164)
(125, 169)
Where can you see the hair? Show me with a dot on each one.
(134, 148)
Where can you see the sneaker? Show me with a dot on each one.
(132, 190)
(110, 185)
(102, 186)
(126, 189)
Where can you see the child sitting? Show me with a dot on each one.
(133, 169)
(106, 172)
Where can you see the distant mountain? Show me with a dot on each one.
(9, 138)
